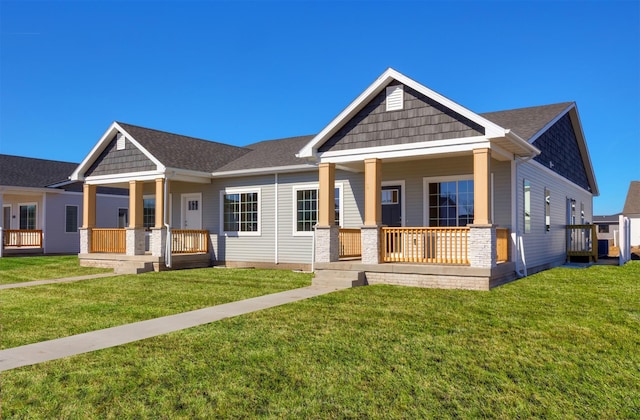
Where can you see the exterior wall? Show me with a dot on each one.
(113, 161)
(544, 248)
(14, 200)
(634, 221)
(422, 119)
(614, 229)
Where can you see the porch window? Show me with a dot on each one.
(27, 216)
(123, 218)
(451, 203)
(527, 205)
(71, 219)
(149, 212)
(306, 200)
(240, 211)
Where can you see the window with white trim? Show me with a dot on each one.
(306, 207)
(123, 218)
(240, 211)
(547, 209)
(149, 212)
(71, 219)
(451, 202)
(526, 188)
(28, 216)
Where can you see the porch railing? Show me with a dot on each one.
(350, 243)
(441, 245)
(582, 241)
(22, 238)
(185, 241)
(502, 244)
(106, 240)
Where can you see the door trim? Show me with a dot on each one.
(403, 194)
(183, 208)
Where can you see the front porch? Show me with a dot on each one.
(21, 242)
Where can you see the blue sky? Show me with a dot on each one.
(240, 72)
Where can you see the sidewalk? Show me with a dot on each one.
(52, 281)
(31, 354)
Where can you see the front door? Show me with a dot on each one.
(6, 217)
(192, 211)
(392, 205)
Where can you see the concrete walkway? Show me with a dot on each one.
(31, 354)
(52, 281)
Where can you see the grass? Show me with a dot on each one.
(559, 344)
(35, 314)
(21, 269)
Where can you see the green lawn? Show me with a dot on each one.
(21, 269)
(560, 344)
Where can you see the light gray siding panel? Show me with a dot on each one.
(541, 247)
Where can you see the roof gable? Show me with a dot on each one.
(528, 122)
(632, 202)
(21, 171)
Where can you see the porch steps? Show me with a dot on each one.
(339, 278)
(133, 267)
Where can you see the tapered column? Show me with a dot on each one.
(327, 239)
(482, 186)
(135, 232)
(159, 203)
(370, 232)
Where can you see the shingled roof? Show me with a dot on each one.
(183, 152)
(632, 203)
(526, 122)
(21, 171)
(270, 154)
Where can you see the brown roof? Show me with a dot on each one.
(632, 203)
(183, 152)
(526, 122)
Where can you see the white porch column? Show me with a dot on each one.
(327, 247)
(159, 232)
(370, 232)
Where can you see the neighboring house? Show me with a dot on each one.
(632, 211)
(414, 188)
(42, 209)
(608, 228)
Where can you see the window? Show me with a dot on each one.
(123, 218)
(582, 213)
(527, 205)
(27, 216)
(395, 98)
(149, 212)
(451, 202)
(240, 211)
(547, 209)
(603, 228)
(390, 197)
(6, 217)
(71, 219)
(307, 208)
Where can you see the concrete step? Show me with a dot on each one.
(133, 267)
(339, 278)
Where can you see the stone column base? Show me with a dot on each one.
(158, 241)
(85, 240)
(135, 241)
(482, 246)
(370, 237)
(327, 247)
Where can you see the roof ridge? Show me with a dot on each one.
(568, 103)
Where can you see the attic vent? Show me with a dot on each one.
(395, 98)
(119, 141)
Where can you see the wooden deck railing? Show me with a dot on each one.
(441, 245)
(185, 241)
(108, 240)
(350, 243)
(502, 245)
(22, 238)
(582, 241)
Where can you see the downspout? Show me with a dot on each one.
(167, 251)
(276, 216)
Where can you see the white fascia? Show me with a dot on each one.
(125, 177)
(311, 148)
(407, 150)
(263, 171)
(78, 174)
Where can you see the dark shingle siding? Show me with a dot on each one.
(559, 146)
(422, 119)
(632, 202)
(113, 161)
(31, 172)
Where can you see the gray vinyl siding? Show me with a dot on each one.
(421, 119)
(541, 248)
(113, 161)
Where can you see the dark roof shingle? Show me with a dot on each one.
(21, 171)
(526, 122)
(270, 154)
(632, 203)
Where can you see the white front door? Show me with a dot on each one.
(192, 211)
